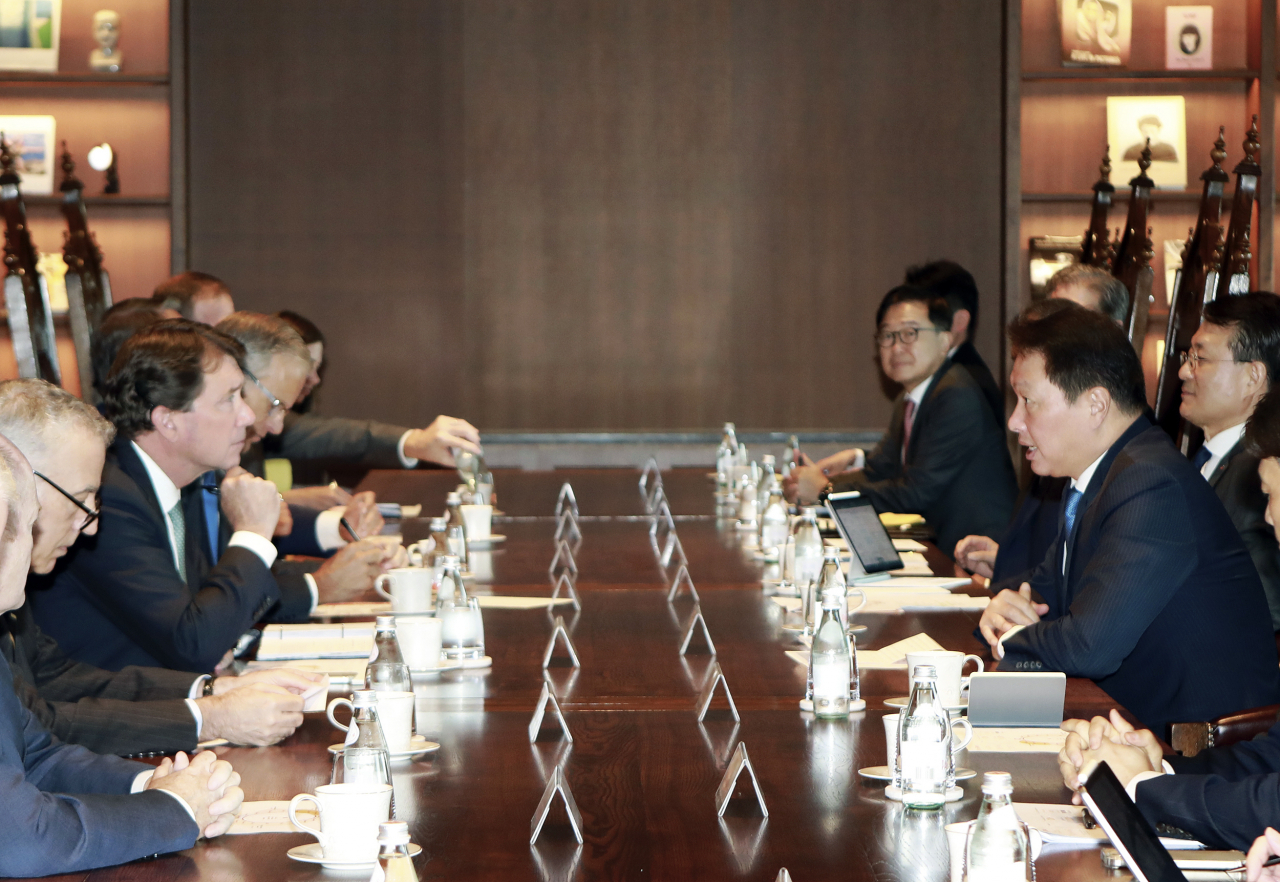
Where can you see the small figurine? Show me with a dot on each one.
(107, 58)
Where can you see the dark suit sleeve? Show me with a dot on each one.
(296, 600)
(956, 425)
(302, 538)
(360, 442)
(1124, 587)
(133, 581)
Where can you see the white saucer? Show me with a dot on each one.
(432, 671)
(901, 701)
(312, 853)
(955, 794)
(854, 706)
(420, 746)
(884, 773)
(471, 663)
(492, 539)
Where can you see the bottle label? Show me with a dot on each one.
(924, 764)
(808, 568)
(1010, 872)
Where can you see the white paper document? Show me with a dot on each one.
(937, 583)
(892, 656)
(1031, 740)
(908, 545)
(290, 642)
(272, 816)
(342, 672)
(1064, 825)
(358, 610)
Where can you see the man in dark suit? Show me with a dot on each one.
(1223, 796)
(944, 456)
(1147, 563)
(135, 710)
(144, 591)
(64, 808)
(1234, 358)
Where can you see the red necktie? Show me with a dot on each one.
(908, 417)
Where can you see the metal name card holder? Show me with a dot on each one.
(655, 496)
(570, 591)
(567, 525)
(535, 725)
(737, 765)
(567, 500)
(716, 676)
(558, 784)
(563, 632)
(682, 578)
(783, 876)
(650, 470)
(689, 631)
(563, 558)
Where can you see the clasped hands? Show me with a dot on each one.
(1128, 751)
(207, 784)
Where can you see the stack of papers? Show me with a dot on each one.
(290, 642)
(893, 656)
(1064, 825)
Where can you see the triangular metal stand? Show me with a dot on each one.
(535, 725)
(561, 631)
(714, 677)
(567, 525)
(737, 765)
(566, 500)
(682, 578)
(655, 497)
(688, 633)
(557, 784)
(570, 591)
(563, 557)
(720, 757)
(650, 470)
(783, 876)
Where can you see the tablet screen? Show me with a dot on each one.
(860, 525)
(1129, 831)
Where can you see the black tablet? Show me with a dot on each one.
(858, 523)
(1143, 854)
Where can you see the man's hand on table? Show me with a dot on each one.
(434, 442)
(363, 515)
(1263, 848)
(1127, 750)
(977, 554)
(207, 784)
(1007, 610)
(349, 574)
(297, 682)
(320, 498)
(255, 715)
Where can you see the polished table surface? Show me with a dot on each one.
(641, 767)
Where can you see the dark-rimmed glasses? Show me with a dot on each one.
(886, 339)
(91, 515)
(1195, 359)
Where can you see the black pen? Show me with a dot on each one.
(355, 537)
(1272, 861)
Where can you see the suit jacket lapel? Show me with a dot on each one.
(923, 409)
(1223, 464)
(128, 462)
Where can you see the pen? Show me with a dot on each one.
(355, 537)
(1272, 861)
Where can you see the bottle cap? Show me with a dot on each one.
(385, 623)
(922, 671)
(393, 833)
(439, 524)
(767, 460)
(997, 782)
(364, 698)
(830, 553)
(449, 560)
(453, 498)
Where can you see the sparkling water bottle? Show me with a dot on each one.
(387, 671)
(774, 522)
(394, 863)
(924, 743)
(998, 845)
(808, 549)
(830, 662)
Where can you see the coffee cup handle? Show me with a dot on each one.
(863, 595)
(965, 660)
(968, 734)
(379, 582)
(293, 815)
(335, 703)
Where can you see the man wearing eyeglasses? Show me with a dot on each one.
(944, 456)
(1233, 357)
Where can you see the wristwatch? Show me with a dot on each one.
(208, 687)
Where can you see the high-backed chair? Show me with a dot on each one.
(88, 285)
(1132, 264)
(1097, 249)
(1189, 739)
(25, 296)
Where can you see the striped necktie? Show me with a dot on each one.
(1071, 505)
(179, 522)
(908, 420)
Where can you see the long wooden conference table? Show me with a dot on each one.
(641, 768)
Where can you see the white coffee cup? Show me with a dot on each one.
(419, 638)
(420, 551)
(349, 819)
(949, 665)
(395, 715)
(410, 589)
(478, 519)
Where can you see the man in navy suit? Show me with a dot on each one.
(1223, 796)
(64, 808)
(1148, 589)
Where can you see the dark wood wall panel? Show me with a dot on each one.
(580, 214)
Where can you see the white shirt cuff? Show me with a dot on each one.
(314, 589)
(255, 543)
(144, 778)
(1005, 636)
(407, 461)
(195, 712)
(329, 529)
(860, 459)
(197, 688)
(1132, 787)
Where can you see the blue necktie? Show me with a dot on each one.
(1202, 456)
(1071, 505)
(209, 495)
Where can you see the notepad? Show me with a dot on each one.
(1001, 740)
(1064, 825)
(290, 642)
(893, 656)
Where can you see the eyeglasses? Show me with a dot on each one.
(91, 514)
(1194, 359)
(276, 403)
(886, 339)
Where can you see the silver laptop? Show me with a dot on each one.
(1017, 700)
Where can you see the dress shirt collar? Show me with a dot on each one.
(1220, 444)
(1082, 483)
(167, 492)
(918, 393)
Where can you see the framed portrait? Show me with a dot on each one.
(1048, 254)
(1096, 32)
(29, 33)
(31, 141)
(1188, 32)
(1131, 121)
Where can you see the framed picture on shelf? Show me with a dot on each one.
(31, 141)
(1161, 119)
(1096, 32)
(1048, 254)
(1188, 33)
(29, 33)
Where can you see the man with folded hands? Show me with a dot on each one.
(64, 808)
(136, 710)
(1148, 588)
(1223, 796)
(147, 589)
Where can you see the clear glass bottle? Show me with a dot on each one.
(998, 845)
(726, 455)
(394, 863)
(461, 626)
(793, 451)
(365, 729)
(807, 566)
(830, 662)
(774, 521)
(924, 743)
(455, 544)
(767, 481)
(387, 670)
(483, 494)
(748, 516)
(743, 465)
(831, 579)
(465, 461)
(453, 510)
